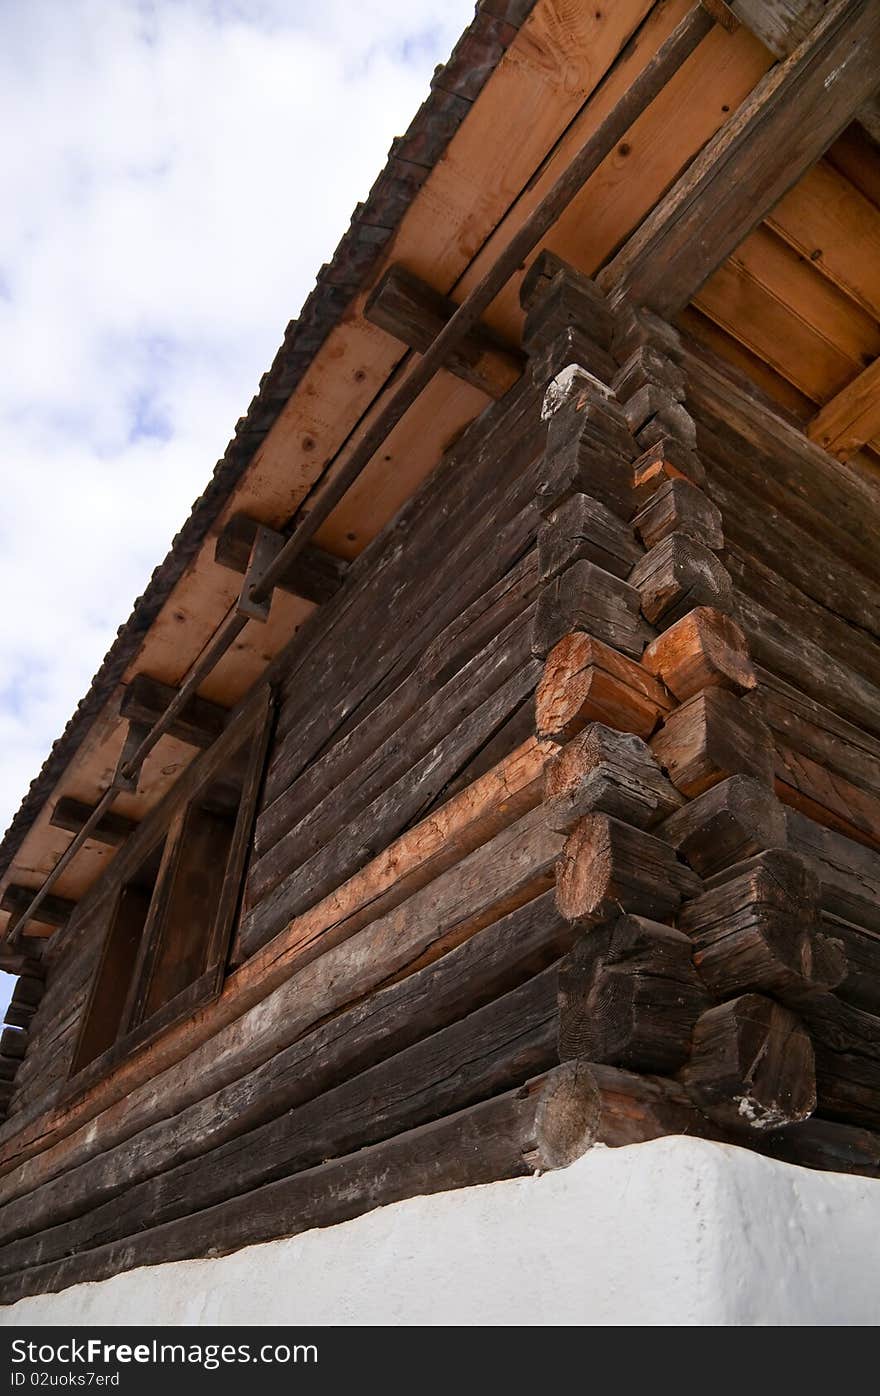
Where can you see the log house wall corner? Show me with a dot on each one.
(542, 858)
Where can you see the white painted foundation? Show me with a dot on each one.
(678, 1231)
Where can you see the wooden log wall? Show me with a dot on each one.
(543, 858)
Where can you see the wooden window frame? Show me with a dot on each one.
(251, 727)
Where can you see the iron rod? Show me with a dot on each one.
(650, 82)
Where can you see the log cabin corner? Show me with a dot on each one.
(492, 767)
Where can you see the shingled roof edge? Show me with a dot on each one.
(453, 90)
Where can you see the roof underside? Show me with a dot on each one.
(796, 306)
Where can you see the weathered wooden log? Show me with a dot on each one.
(414, 761)
(752, 1065)
(547, 1123)
(493, 962)
(847, 1046)
(705, 649)
(607, 866)
(588, 451)
(710, 737)
(636, 328)
(583, 527)
(780, 645)
(25, 1000)
(293, 789)
(13, 1043)
(665, 460)
(554, 295)
(826, 1145)
(629, 996)
(570, 346)
(656, 401)
(219, 1044)
(677, 575)
(861, 949)
(401, 597)
(668, 419)
(754, 928)
(769, 535)
(648, 365)
(318, 972)
(760, 585)
(511, 736)
(730, 822)
(680, 507)
(849, 874)
(773, 458)
(499, 1046)
(644, 794)
(826, 797)
(413, 312)
(315, 575)
(313, 868)
(586, 598)
(588, 414)
(586, 681)
(812, 729)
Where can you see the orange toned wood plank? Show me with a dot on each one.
(800, 284)
(464, 823)
(705, 649)
(774, 331)
(585, 681)
(837, 229)
(852, 417)
(698, 100)
(822, 813)
(777, 388)
(560, 54)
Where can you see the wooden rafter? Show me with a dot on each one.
(412, 311)
(852, 418)
(792, 116)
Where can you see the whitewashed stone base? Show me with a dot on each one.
(678, 1231)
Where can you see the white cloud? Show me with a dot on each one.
(173, 175)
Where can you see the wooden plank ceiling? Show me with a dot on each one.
(797, 306)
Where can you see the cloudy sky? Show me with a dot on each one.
(174, 172)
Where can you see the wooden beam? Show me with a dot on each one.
(315, 575)
(791, 117)
(413, 312)
(54, 911)
(852, 418)
(782, 24)
(72, 814)
(547, 1123)
(200, 723)
(752, 1066)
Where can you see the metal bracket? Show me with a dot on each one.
(267, 545)
(133, 738)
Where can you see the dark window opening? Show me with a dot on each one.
(169, 929)
(113, 981)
